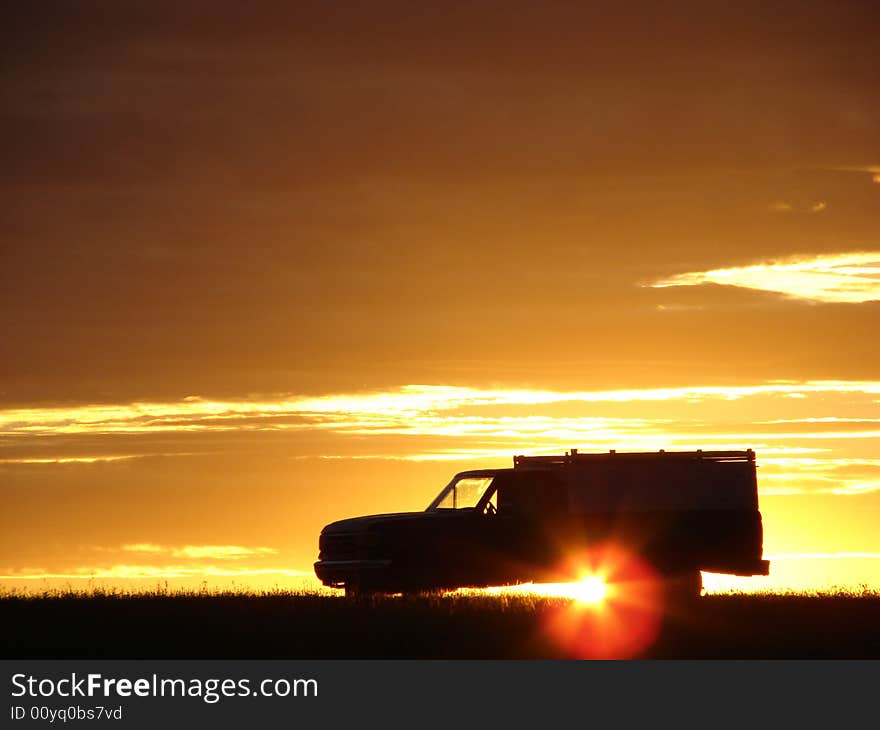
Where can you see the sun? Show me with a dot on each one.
(590, 590)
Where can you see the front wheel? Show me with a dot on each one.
(358, 591)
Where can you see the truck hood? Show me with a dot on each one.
(362, 524)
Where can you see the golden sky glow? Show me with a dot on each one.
(814, 439)
(264, 271)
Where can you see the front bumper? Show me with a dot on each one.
(337, 573)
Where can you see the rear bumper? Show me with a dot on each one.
(336, 573)
(752, 567)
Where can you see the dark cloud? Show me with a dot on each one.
(298, 194)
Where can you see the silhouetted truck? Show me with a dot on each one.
(680, 512)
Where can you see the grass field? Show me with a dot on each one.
(281, 624)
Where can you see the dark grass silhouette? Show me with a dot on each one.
(282, 624)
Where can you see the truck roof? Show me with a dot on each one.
(573, 457)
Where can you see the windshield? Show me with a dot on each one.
(463, 493)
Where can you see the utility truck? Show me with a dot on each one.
(678, 512)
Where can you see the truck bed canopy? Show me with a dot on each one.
(664, 480)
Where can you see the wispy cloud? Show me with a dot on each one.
(165, 562)
(782, 206)
(828, 421)
(155, 572)
(72, 459)
(365, 410)
(872, 170)
(841, 278)
(212, 552)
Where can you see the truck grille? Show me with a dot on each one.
(345, 546)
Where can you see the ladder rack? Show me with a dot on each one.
(573, 457)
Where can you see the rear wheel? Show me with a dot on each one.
(682, 587)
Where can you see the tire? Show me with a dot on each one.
(682, 588)
(358, 591)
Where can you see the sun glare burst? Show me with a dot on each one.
(590, 590)
(615, 610)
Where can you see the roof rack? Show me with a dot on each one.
(573, 457)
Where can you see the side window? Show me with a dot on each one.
(531, 493)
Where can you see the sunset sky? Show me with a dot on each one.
(265, 268)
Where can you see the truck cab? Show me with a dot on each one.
(681, 511)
